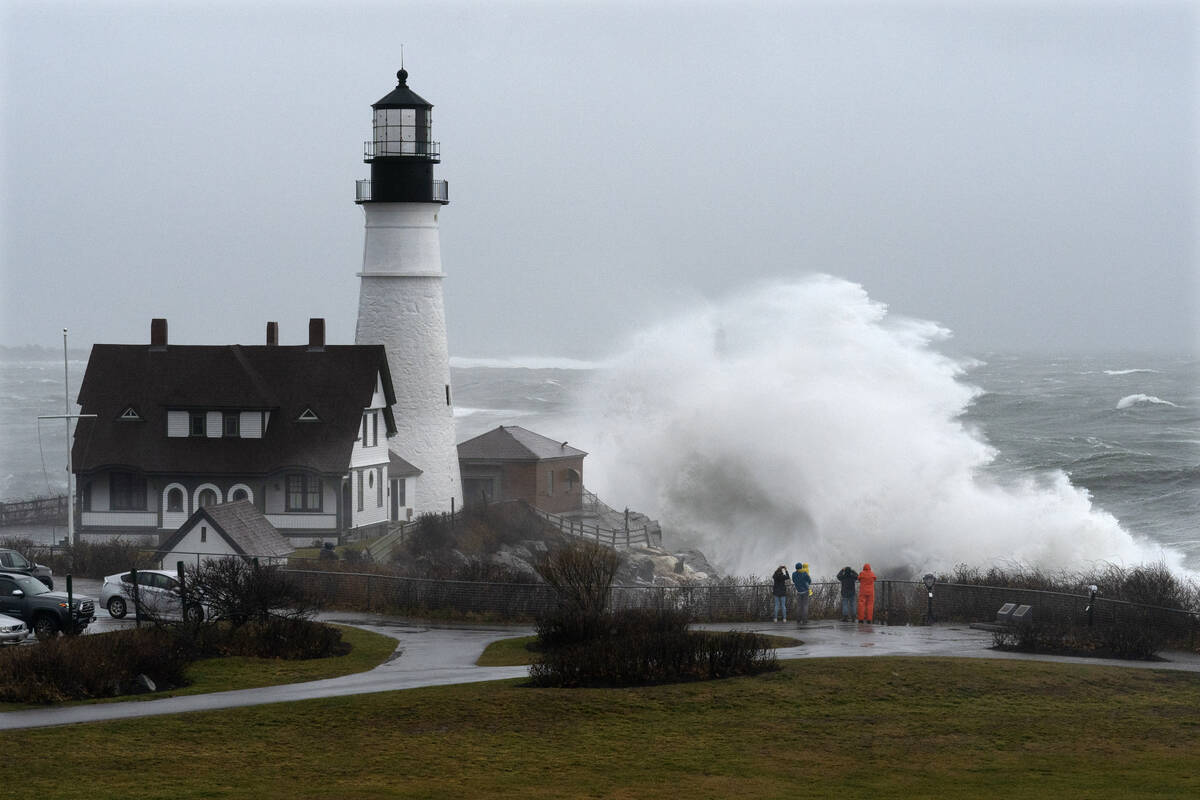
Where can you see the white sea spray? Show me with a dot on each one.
(801, 421)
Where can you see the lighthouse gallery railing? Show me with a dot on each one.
(440, 191)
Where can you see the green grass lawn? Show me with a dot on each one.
(368, 650)
(877, 727)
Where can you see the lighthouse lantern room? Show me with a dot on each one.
(402, 151)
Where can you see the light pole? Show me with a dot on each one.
(929, 580)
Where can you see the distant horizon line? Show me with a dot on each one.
(46, 353)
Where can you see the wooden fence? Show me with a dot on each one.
(622, 537)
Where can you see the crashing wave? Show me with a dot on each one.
(803, 422)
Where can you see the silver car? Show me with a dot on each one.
(12, 630)
(158, 593)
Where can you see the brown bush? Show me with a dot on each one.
(87, 667)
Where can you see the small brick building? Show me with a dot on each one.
(512, 463)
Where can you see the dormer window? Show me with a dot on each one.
(130, 415)
(308, 415)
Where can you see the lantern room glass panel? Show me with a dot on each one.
(402, 131)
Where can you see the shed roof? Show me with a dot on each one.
(241, 525)
(514, 443)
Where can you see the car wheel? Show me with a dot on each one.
(193, 613)
(116, 607)
(45, 627)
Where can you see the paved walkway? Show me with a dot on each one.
(437, 655)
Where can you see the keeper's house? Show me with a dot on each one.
(298, 431)
(513, 463)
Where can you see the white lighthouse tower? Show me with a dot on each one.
(400, 293)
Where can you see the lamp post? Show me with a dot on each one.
(929, 580)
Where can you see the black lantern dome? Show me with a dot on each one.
(402, 151)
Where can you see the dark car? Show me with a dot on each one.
(13, 561)
(46, 612)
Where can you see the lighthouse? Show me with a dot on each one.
(400, 292)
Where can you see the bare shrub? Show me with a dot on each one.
(242, 591)
(89, 559)
(581, 575)
(438, 546)
(1149, 584)
(643, 646)
(1125, 640)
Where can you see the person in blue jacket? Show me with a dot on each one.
(803, 583)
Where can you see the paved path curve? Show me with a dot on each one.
(429, 655)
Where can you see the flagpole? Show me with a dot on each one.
(70, 472)
(68, 416)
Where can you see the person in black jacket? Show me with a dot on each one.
(847, 578)
(779, 591)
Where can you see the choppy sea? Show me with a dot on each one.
(1124, 428)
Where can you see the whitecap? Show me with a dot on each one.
(1128, 371)
(1138, 399)
(525, 362)
(467, 411)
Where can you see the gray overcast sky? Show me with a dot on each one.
(1025, 174)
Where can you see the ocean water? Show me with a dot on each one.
(804, 422)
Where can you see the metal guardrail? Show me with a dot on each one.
(373, 149)
(439, 191)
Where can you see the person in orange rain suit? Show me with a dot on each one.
(866, 594)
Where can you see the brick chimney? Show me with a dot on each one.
(316, 333)
(158, 334)
(273, 333)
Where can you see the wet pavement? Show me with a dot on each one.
(433, 655)
(826, 639)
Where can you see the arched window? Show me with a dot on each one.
(207, 497)
(175, 499)
(239, 494)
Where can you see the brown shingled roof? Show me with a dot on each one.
(240, 524)
(514, 443)
(336, 382)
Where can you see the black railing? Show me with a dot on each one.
(439, 191)
(373, 149)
